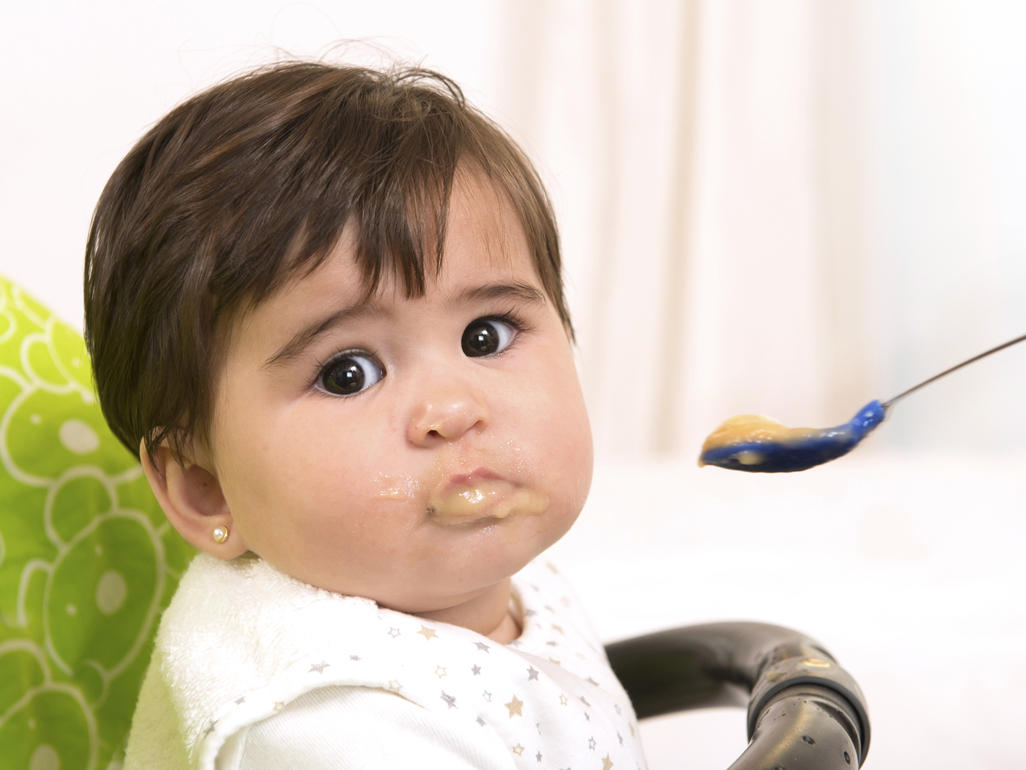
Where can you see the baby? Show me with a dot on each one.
(325, 306)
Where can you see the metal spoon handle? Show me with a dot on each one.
(977, 357)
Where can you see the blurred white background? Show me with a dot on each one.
(782, 207)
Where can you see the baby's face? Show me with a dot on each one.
(413, 451)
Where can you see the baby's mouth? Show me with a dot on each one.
(481, 495)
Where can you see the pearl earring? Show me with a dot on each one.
(220, 534)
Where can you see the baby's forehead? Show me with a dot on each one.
(483, 244)
(481, 230)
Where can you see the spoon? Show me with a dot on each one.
(750, 442)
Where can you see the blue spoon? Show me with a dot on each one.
(757, 444)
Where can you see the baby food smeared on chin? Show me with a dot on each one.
(482, 496)
(750, 442)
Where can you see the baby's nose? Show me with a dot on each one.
(445, 413)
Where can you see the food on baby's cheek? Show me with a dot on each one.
(751, 442)
(484, 498)
(398, 487)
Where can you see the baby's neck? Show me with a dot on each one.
(489, 614)
(507, 631)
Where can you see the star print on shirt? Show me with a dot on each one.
(515, 707)
(561, 734)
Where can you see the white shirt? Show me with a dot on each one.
(260, 671)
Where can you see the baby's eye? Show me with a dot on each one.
(488, 336)
(350, 373)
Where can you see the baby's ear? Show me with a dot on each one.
(190, 494)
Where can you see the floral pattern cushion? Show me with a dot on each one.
(87, 559)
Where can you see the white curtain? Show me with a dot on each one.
(788, 207)
(785, 207)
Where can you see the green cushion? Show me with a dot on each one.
(87, 559)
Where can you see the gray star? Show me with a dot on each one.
(476, 670)
(319, 667)
(450, 699)
(532, 672)
(482, 646)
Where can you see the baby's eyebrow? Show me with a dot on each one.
(302, 339)
(299, 341)
(519, 291)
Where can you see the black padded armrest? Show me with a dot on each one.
(804, 710)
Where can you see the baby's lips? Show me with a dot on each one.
(483, 495)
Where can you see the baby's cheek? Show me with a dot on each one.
(571, 441)
(579, 456)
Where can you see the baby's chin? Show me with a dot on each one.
(458, 583)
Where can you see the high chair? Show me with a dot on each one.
(88, 562)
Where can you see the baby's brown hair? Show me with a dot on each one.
(249, 184)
